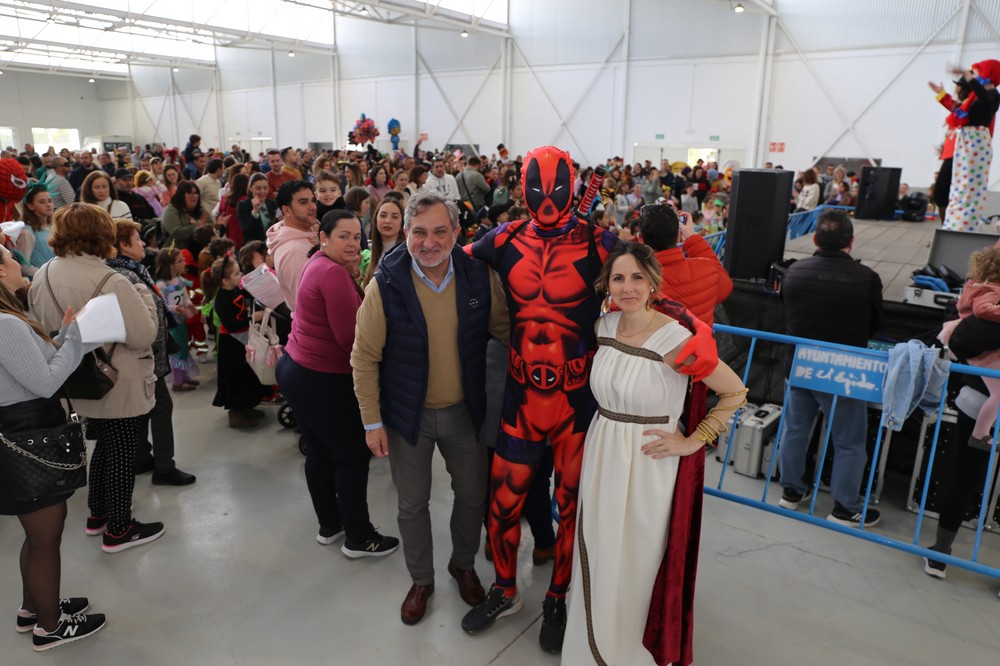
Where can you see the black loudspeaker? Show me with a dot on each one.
(758, 216)
(914, 207)
(877, 192)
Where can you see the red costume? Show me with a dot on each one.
(548, 266)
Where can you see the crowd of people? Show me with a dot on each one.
(384, 262)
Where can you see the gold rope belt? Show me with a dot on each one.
(629, 418)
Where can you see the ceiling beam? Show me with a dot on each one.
(199, 29)
(69, 50)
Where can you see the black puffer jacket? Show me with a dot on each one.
(830, 296)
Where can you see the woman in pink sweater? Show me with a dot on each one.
(315, 377)
(981, 299)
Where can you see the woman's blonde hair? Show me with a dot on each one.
(984, 265)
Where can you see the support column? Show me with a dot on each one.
(335, 86)
(762, 104)
(626, 54)
(220, 117)
(274, 100)
(131, 104)
(416, 88)
(505, 102)
(963, 28)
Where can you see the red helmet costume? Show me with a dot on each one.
(547, 183)
(548, 266)
(13, 184)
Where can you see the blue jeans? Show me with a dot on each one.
(848, 436)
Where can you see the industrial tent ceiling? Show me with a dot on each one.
(105, 36)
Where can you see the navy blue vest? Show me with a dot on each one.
(403, 373)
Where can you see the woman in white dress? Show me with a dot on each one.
(630, 462)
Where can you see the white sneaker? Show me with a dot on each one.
(328, 536)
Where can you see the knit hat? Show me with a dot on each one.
(989, 69)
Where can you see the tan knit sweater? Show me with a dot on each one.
(444, 385)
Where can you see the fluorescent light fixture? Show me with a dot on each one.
(739, 8)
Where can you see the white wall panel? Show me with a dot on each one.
(819, 26)
(692, 29)
(42, 100)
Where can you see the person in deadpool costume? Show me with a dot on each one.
(548, 266)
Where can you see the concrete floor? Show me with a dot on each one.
(238, 578)
(893, 249)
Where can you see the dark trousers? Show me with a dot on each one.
(538, 504)
(336, 454)
(942, 187)
(161, 451)
(962, 475)
(112, 475)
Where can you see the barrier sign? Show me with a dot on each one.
(858, 375)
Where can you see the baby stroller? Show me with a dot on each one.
(265, 345)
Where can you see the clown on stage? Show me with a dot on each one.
(972, 122)
(548, 266)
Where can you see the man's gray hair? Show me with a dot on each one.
(422, 201)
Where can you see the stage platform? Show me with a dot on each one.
(893, 249)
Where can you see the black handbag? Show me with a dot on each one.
(95, 376)
(45, 462)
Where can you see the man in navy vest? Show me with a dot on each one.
(417, 388)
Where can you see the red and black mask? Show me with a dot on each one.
(547, 180)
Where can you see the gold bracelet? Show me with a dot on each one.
(733, 394)
(707, 432)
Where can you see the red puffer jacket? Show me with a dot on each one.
(697, 281)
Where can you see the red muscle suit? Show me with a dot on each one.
(548, 266)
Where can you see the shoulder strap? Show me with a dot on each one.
(465, 186)
(97, 291)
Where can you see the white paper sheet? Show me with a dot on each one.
(263, 285)
(101, 320)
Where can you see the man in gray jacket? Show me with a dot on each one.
(471, 184)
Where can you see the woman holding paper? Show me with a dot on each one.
(32, 368)
(83, 237)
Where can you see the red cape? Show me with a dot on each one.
(669, 634)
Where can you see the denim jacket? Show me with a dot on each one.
(915, 378)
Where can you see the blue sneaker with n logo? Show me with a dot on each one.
(70, 628)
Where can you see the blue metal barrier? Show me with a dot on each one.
(912, 547)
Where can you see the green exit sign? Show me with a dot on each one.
(660, 137)
(714, 137)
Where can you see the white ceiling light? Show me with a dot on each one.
(90, 80)
(739, 8)
(364, 11)
(464, 33)
(291, 54)
(176, 69)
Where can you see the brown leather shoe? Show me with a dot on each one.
(240, 419)
(469, 587)
(415, 604)
(542, 555)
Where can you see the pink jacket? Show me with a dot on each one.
(290, 249)
(323, 327)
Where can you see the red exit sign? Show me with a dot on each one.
(777, 147)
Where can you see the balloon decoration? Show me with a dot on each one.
(364, 131)
(394, 130)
